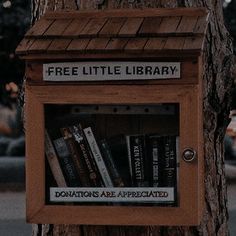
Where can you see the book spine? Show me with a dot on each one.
(98, 157)
(138, 159)
(66, 162)
(75, 155)
(86, 155)
(154, 158)
(176, 170)
(115, 175)
(129, 159)
(53, 162)
(119, 152)
(155, 164)
(170, 162)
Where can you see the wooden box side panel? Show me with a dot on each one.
(189, 171)
(35, 171)
(201, 165)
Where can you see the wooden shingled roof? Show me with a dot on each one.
(117, 31)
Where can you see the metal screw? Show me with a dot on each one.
(189, 154)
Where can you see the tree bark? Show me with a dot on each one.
(218, 61)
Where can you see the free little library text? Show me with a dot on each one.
(102, 71)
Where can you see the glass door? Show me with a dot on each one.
(112, 154)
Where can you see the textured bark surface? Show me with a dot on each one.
(218, 61)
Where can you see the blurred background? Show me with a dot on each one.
(14, 22)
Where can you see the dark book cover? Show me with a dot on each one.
(169, 161)
(66, 162)
(137, 160)
(118, 148)
(86, 155)
(76, 156)
(108, 158)
(154, 155)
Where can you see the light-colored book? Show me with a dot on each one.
(98, 157)
(53, 161)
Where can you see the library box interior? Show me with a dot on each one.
(114, 117)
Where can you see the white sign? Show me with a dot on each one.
(132, 194)
(105, 71)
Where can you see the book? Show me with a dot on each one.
(76, 156)
(86, 155)
(98, 157)
(169, 166)
(66, 162)
(111, 166)
(53, 162)
(118, 148)
(154, 152)
(137, 160)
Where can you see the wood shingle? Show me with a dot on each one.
(181, 30)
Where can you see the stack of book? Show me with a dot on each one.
(78, 159)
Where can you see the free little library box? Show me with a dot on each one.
(114, 117)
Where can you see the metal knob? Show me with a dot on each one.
(189, 154)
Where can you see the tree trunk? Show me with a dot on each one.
(218, 59)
